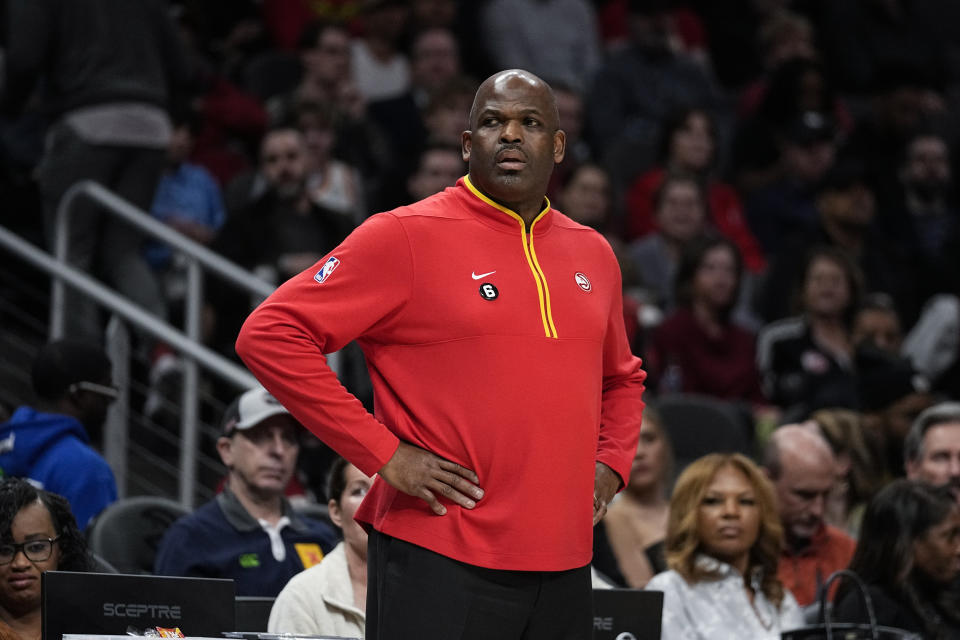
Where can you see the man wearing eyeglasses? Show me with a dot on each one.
(50, 444)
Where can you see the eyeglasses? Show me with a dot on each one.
(34, 550)
(104, 390)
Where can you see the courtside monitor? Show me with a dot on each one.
(111, 603)
(627, 614)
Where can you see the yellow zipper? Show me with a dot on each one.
(543, 291)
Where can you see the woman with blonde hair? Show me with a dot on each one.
(722, 546)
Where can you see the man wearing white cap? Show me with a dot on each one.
(249, 532)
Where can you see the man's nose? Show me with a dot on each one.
(954, 468)
(511, 132)
(817, 505)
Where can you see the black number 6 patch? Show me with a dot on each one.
(488, 291)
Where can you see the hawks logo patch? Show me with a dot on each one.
(328, 267)
(582, 281)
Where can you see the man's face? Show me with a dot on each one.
(439, 169)
(283, 162)
(881, 327)
(928, 165)
(514, 141)
(263, 457)
(939, 460)
(803, 486)
(435, 59)
(329, 61)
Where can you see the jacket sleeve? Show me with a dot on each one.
(284, 341)
(622, 394)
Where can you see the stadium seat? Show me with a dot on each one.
(128, 532)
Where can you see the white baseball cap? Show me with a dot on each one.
(250, 409)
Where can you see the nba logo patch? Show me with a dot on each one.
(328, 267)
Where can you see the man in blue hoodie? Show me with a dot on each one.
(50, 444)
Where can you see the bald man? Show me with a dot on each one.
(802, 468)
(507, 402)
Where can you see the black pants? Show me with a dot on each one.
(414, 593)
(101, 244)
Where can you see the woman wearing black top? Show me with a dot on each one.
(909, 557)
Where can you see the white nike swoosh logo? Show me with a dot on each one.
(482, 275)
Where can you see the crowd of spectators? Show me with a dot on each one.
(776, 177)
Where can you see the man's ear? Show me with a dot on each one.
(466, 144)
(225, 449)
(559, 146)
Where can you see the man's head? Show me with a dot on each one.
(808, 147)
(74, 378)
(434, 59)
(844, 198)
(325, 53)
(802, 468)
(440, 166)
(876, 323)
(514, 139)
(926, 167)
(259, 445)
(283, 161)
(932, 448)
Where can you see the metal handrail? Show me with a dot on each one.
(130, 312)
(210, 259)
(147, 322)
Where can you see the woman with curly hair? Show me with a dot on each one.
(37, 533)
(909, 558)
(723, 544)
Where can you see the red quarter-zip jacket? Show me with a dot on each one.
(501, 350)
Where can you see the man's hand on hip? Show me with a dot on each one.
(421, 474)
(606, 483)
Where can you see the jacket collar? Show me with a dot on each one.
(241, 520)
(495, 214)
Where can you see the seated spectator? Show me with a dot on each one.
(379, 68)
(330, 599)
(892, 395)
(188, 199)
(52, 444)
(783, 36)
(439, 167)
(249, 532)
(807, 361)
(434, 61)
(577, 152)
(920, 215)
(790, 96)
(279, 234)
(876, 323)
(908, 558)
(331, 183)
(637, 86)
(785, 203)
(723, 544)
(688, 143)
(931, 450)
(698, 348)
(680, 209)
(860, 470)
(37, 533)
(844, 211)
(636, 521)
(585, 196)
(802, 469)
